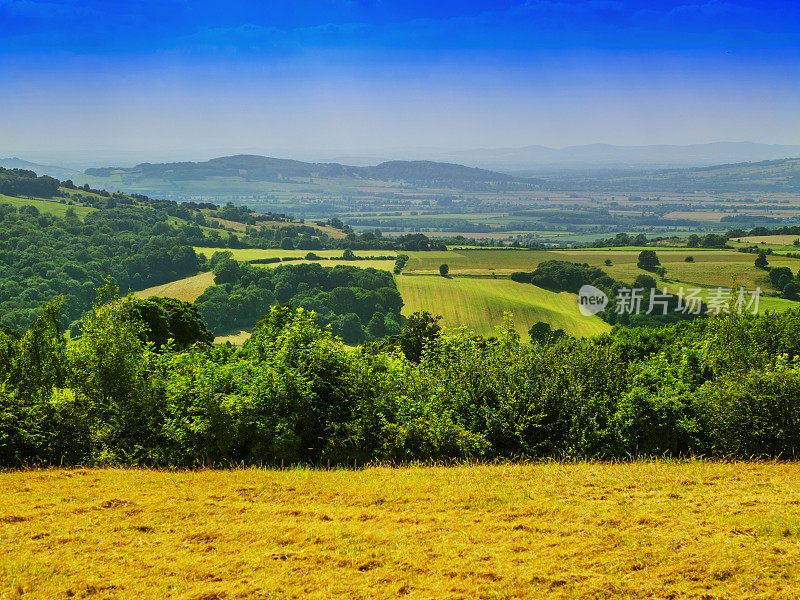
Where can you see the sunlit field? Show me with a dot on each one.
(640, 530)
(51, 207)
(248, 254)
(188, 289)
(480, 303)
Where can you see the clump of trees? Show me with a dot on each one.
(543, 332)
(356, 304)
(43, 256)
(21, 182)
(562, 276)
(400, 263)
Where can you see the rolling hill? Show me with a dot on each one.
(51, 170)
(263, 168)
(479, 303)
(773, 176)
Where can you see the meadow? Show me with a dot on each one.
(480, 303)
(478, 291)
(710, 267)
(51, 207)
(551, 530)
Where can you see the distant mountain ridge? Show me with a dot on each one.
(264, 168)
(50, 170)
(773, 176)
(532, 160)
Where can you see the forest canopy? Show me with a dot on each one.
(357, 304)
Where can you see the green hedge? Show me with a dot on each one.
(727, 386)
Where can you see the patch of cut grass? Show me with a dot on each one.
(188, 289)
(553, 530)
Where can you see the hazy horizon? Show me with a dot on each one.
(186, 81)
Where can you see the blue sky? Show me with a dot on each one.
(192, 79)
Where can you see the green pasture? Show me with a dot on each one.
(52, 207)
(479, 303)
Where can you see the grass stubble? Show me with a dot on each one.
(554, 530)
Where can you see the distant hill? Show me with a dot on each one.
(50, 170)
(263, 168)
(765, 176)
(235, 173)
(535, 160)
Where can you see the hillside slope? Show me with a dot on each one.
(479, 303)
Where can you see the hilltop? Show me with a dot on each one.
(263, 168)
(50, 170)
(238, 172)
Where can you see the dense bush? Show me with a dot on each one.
(725, 386)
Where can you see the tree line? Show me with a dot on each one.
(723, 386)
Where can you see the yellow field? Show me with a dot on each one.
(247, 254)
(237, 339)
(639, 530)
(770, 240)
(187, 289)
(479, 304)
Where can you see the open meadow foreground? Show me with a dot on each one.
(550, 530)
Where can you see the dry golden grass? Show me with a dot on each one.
(188, 289)
(237, 339)
(640, 530)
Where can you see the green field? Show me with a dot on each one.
(479, 300)
(480, 303)
(710, 268)
(52, 207)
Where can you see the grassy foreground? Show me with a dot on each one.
(640, 530)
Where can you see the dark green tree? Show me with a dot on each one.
(420, 329)
(543, 332)
(648, 260)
